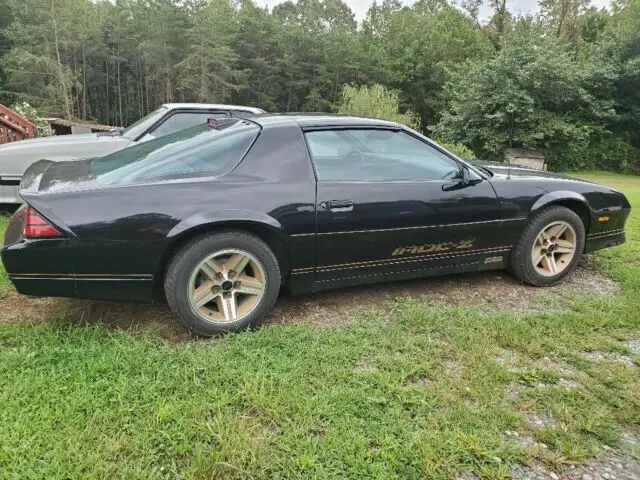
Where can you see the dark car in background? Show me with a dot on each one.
(220, 218)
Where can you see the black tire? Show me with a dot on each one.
(521, 264)
(185, 261)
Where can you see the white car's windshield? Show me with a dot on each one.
(134, 131)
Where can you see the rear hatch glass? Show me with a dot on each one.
(202, 150)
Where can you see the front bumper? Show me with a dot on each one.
(604, 240)
(609, 233)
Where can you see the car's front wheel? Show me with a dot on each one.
(222, 282)
(549, 248)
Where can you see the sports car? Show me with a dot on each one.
(219, 218)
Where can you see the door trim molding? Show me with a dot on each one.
(424, 226)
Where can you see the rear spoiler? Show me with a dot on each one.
(31, 178)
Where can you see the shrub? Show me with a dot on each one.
(459, 149)
(43, 129)
(376, 101)
(609, 153)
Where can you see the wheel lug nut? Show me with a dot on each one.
(231, 273)
(227, 294)
(219, 276)
(216, 289)
(237, 285)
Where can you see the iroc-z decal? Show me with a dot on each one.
(493, 259)
(433, 247)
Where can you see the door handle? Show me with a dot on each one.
(341, 205)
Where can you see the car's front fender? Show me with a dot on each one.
(558, 197)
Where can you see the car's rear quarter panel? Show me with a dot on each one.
(120, 236)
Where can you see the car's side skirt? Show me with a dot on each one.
(126, 287)
(496, 261)
(396, 268)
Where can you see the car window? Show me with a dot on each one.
(183, 120)
(200, 150)
(241, 113)
(132, 131)
(376, 155)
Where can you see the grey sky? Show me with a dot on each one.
(522, 7)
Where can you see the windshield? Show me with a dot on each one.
(192, 152)
(133, 131)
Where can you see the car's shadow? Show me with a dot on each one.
(489, 291)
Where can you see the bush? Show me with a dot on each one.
(375, 101)
(43, 129)
(610, 153)
(459, 149)
(532, 94)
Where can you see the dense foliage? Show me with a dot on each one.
(375, 101)
(565, 82)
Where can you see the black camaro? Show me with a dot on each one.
(220, 217)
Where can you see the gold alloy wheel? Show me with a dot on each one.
(227, 286)
(554, 249)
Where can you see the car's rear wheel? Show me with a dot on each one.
(222, 282)
(549, 248)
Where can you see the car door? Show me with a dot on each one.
(178, 120)
(391, 204)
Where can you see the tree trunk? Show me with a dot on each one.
(68, 109)
(84, 83)
(119, 86)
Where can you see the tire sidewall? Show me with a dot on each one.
(185, 262)
(541, 221)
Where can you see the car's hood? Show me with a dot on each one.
(15, 157)
(511, 170)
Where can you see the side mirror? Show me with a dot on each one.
(464, 175)
(462, 180)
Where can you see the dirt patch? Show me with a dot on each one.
(634, 345)
(365, 369)
(489, 291)
(15, 308)
(508, 359)
(541, 420)
(610, 466)
(616, 357)
(524, 440)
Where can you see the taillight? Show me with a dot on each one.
(37, 227)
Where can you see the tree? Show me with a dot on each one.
(208, 73)
(377, 102)
(532, 94)
(565, 17)
(565, 81)
(6, 19)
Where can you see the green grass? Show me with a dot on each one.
(427, 394)
(5, 284)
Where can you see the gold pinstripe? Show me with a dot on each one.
(393, 261)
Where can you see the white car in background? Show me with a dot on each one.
(16, 157)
